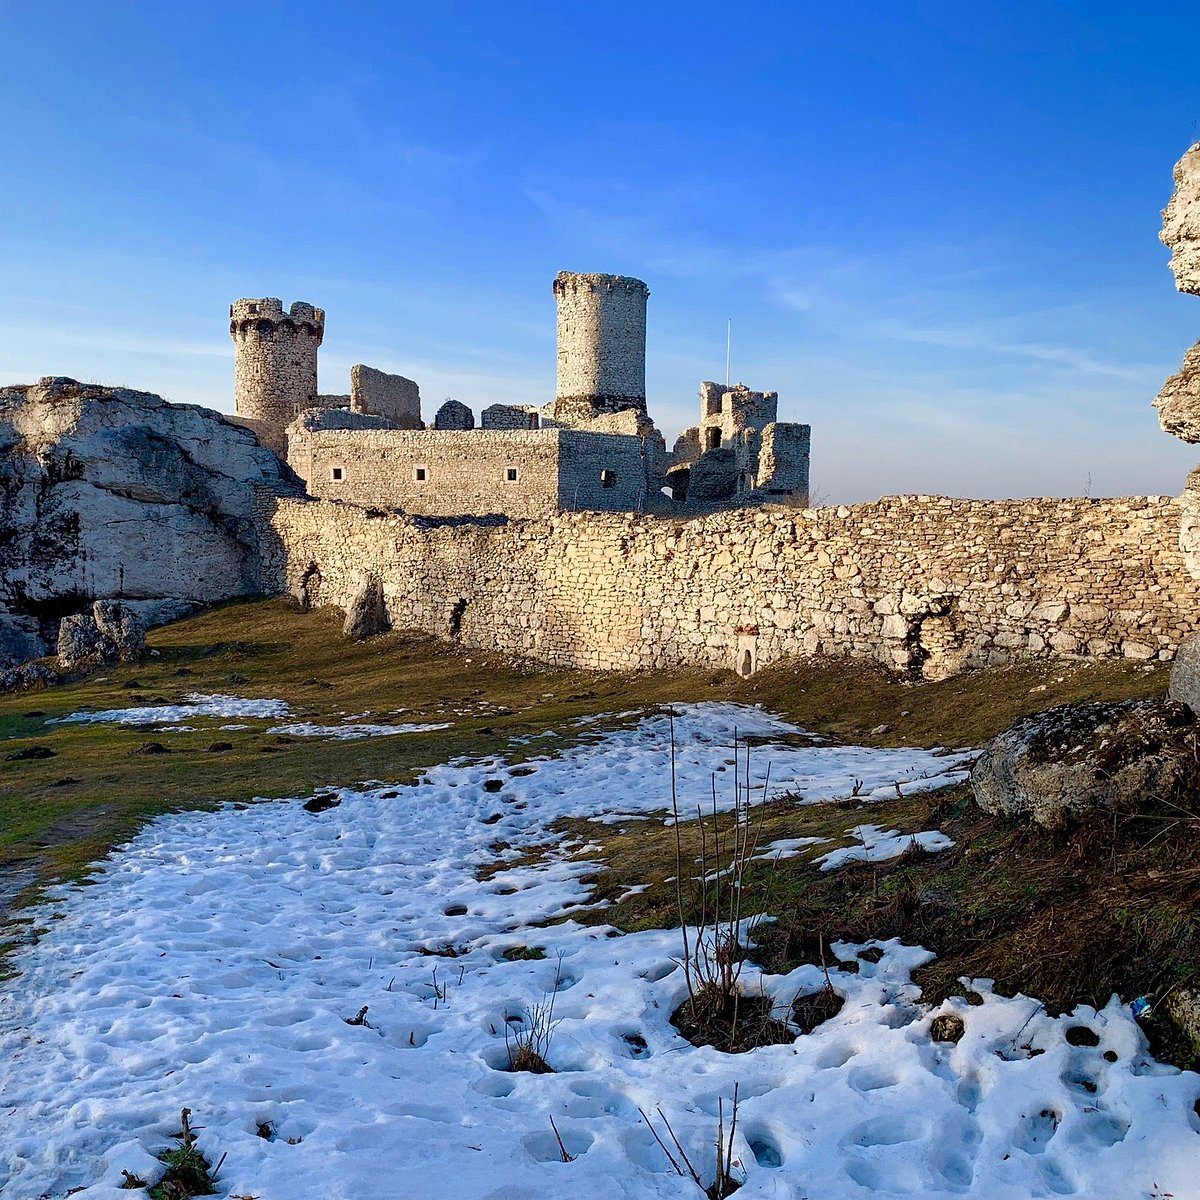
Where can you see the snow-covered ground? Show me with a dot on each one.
(216, 960)
(874, 844)
(197, 704)
(354, 730)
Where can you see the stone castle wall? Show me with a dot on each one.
(379, 394)
(927, 585)
(518, 473)
(783, 459)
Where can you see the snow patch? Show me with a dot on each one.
(195, 704)
(875, 844)
(348, 732)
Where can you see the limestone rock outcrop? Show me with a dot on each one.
(112, 632)
(1185, 675)
(1181, 223)
(107, 492)
(1059, 764)
(1178, 401)
(366, 614)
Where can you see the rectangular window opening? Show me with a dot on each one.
(510, 475)
(420, 474)
(608, 479)
(335, 474)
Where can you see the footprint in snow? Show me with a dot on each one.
(1036, 1130)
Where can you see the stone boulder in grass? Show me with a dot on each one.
(1059, 765)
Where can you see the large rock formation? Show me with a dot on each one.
(1056, 765)
(107, 492)
(1181, 223)
(1178, 403)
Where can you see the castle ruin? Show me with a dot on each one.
(593, 447)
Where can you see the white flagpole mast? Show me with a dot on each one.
(728, 342)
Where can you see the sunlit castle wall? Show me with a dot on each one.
(926, 585)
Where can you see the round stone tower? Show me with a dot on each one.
(276, 372)
(601, 344)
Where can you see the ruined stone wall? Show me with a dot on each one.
(392, 397)
(602, 472)
(461, 472)
(924, 584)
(508, 416)
(783, 459)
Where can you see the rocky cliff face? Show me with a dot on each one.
(1178, 403)
(107, 492)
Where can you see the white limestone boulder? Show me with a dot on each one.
(108, 492)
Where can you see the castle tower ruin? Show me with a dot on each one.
(601, 345)
(276, 372)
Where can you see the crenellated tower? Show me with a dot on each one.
(276, 373)
(601, 344)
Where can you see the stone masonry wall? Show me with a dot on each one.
(602, 472)
(927, 585)
(381, 395)
(468, 471)
(465, 471)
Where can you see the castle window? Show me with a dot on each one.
(335, 474)
(712, 439)
(608, 479)
(420, 474)
(510, 475)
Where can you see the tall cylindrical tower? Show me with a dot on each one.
(601, 344)
(276, 373)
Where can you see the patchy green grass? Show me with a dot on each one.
(64, 812)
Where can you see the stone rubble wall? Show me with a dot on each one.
(783, 459)
(379, 394)
(467, 471)
(926, 585)
(603, 472)
(507, 416)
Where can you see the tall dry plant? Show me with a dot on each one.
(713, 952)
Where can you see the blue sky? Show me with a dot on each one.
(934, 225)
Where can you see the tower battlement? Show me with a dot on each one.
(244, 314)
(568, 282)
